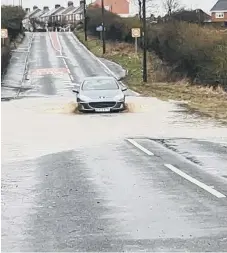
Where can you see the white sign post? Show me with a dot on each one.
(136, 35)
(99, 29)
(4, 35)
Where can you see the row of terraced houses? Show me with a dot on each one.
(72, 14)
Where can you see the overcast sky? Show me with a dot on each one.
(206, 5)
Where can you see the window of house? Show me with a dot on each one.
(219, 15)
(77, 16)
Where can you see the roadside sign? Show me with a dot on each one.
(4, 33)
(135, 32)
(100, 28)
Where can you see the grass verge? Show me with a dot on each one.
(207, 101)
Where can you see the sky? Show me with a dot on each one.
(157, 8)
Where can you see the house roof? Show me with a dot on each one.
(38, 14)
(221, 5)
(53, 11)
(45, 14)
(75, 10)
(32, 13)
(59, 12)
(79, 9)
(68, 9)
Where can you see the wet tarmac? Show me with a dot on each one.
(150, 179)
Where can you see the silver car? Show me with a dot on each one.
(100, 94)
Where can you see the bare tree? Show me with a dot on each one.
(140, 8)
(171, 5)
(150, 6)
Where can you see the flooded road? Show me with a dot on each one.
(150, 179)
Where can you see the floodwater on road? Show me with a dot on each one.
(38, 126)
(152, 178)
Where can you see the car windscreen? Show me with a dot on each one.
(100, 84)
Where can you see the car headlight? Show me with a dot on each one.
(119, 97)
(84, 98)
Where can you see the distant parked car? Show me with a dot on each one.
(100, 94)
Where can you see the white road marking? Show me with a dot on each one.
(63, 59)
(99, 61)
(60, 52)
(52, 43)
(195, 181)
(146, 151)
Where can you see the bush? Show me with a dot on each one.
(117, 28)
(11, 19)
(196, 52)
(193, 51)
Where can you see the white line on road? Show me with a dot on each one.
(63, 58)
(52, 43)
(195, 181)
(98, 60)
(61, 54)
(59, 44)
(146, 151)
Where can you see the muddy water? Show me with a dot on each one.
(37, 126)
(47, 120)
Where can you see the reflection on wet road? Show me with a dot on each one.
(151, 179)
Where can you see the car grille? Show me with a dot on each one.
(102, 104)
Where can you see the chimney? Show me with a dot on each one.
(57, 6)
(35, 7)
(46, 8)
(70, 3)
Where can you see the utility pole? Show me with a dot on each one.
(85, 21)
(103, 29)
(144, 43)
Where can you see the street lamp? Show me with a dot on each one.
(103, 29)
(144, 43)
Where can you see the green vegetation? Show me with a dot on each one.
(11, 19)
(206, 100)
(193, 52)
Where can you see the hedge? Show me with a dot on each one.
(193, 51)
(11, 19)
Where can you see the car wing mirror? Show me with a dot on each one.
(76, 89)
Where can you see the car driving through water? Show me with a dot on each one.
(100, 94)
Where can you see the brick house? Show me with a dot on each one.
(118, 7)
(70, 14)
(219, 11)
(50, 15)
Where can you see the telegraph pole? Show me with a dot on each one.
(144, 43)
(103, 29)
(85, 21)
